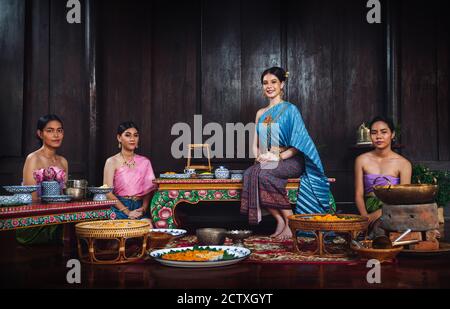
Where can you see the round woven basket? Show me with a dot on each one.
(352, 226)
(304, 222)
(118, 230)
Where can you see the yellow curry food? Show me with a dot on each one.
(194, 255)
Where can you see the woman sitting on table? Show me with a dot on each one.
(380, 166)
(130, 174)
(283, 150)
(50, 133)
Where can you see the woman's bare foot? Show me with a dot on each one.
(280, 227)
(285, 234)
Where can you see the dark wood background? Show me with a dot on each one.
(160, 62)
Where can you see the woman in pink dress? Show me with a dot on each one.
(130, 174)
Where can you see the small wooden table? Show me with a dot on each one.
(171, 192)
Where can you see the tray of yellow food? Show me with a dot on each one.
(328, 222)
(201, 256)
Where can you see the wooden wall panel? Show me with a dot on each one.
(12, 42)
(221, 61)
(443, 99)
(418, 80)
(175, 78)
(261, 48)
(337, 77)
(124, 84)
(37, 70)
(68, 85)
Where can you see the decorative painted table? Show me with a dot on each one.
(17, 217)
(171, 192)
(34, 215)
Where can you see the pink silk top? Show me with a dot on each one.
(135, 181)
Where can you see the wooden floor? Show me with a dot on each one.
(45, 267)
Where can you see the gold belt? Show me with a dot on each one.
(134, 198)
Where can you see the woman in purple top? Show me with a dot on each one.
(379, 167)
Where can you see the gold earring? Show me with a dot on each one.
(120, 145)
(137, 146)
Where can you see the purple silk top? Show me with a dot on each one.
(370, 180)
(135, 181)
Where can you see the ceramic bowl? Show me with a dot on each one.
(100, 193)
(236, 176)
(51, 188)
(21, 189)
(211, 236)
(8, 200)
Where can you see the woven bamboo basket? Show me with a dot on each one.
(304, 222)
(382, 255)
(352, 226)
(119, 231)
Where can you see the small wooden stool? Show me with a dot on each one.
(112, 230)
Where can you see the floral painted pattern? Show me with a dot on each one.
(164, 202)
(7, 224)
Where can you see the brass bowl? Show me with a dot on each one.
(76, 193)
(238, 236)
(211, 236)
(382, 255)
(406, 194)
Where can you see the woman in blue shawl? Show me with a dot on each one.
(283, 150)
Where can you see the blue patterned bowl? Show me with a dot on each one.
(21, 189)
(56, 199)
(100, 193)
(8, 200)
(222, 173)
(22, 194)
(50, 188)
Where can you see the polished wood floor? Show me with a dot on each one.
(45, 267)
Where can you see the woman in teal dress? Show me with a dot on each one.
(50, 133)
(283, 150)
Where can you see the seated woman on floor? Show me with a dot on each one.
(283, 150)
(380, 166)
(50, 134)
(130, 174)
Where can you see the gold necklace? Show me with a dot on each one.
(131, 163)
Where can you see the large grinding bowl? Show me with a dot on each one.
(406, 194)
